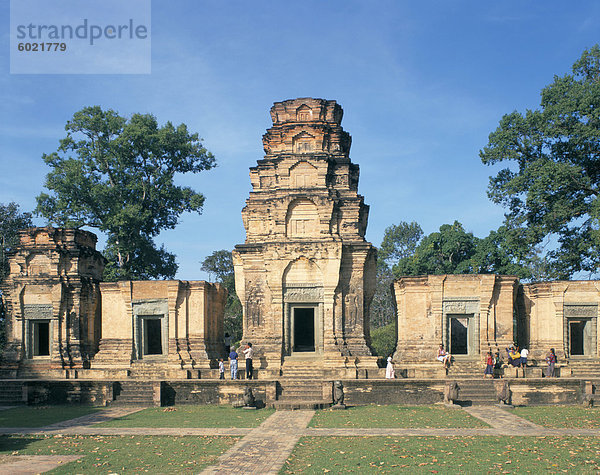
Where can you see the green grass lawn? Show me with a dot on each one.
(28, 416)
(122, 454)
(444, 455)
(560, 416)
(192, 416)
(395, 416)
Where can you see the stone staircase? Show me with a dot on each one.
(11, 393)
(477, 392)
(302, 368)
(461, 369)
(584, 368)
(133, 393)
(300, 394)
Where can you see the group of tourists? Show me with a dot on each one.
(233, 357)
(516, 357)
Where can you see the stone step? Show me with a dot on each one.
(133, 393)
(477, 392)
(288, 405)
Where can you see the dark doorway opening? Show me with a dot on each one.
(152, 336)
(459, 336)
(40, 338)
(577, 336)
(304, 329)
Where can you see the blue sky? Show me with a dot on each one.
(422, 85)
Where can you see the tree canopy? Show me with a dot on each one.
(12, 220)
(551, 184)
(118, 175)
(220, 264)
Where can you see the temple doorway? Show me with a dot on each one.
(40, 337)
(461, 335)
(303, 333)
(151, 333)
(580, 337)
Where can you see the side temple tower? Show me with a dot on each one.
(306, 275)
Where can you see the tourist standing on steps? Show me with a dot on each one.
(551, 360)
(233, 364)
(489, 366)
(221, 369)
(390, 373)
(524, 354)
(248, 353)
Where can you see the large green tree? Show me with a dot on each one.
(220, 265)
(11, 221)
(551, 183)
(447, 251)
(118, 175)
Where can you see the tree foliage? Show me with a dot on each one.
(551, 184)
(220, 264)
(448, 251)
(118, 175)
(452, 250)
(383, 340)
(11, 221)
(399, 241)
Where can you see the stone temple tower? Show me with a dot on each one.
(306, 275)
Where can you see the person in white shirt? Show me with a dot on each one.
(524, 353)
(248, 353)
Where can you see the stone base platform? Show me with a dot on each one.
(288, 393)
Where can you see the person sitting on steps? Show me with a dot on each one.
(443, 356)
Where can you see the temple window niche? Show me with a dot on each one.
(303, 113)
(303, 143)
(302, 219)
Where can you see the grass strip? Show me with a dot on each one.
(374, 416)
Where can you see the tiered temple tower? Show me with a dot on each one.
(52, 296)
(306, 275)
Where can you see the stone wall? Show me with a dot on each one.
(555, 311)
(154, 329)
(468, 314)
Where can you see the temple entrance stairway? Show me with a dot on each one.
(301, 385)
(477, 392)
(465, 369)
(588, 368)
(133, 393)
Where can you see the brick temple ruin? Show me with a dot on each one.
(305, 276)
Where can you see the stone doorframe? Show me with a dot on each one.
(462, 307)
(37, 313)
(150, 308)
(302, 296)
(580, 311)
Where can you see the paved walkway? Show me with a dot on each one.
(34, 464)
(266, 448)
